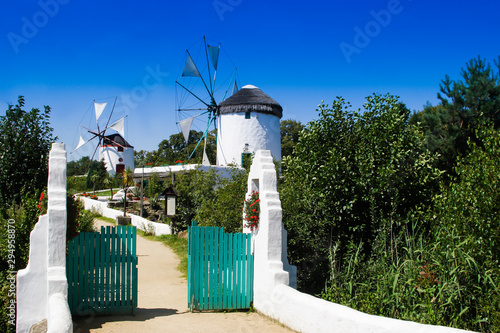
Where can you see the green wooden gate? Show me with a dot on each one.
(102, 272)
(220, 269)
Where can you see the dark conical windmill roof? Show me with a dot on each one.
(250, 99)
(109, 140)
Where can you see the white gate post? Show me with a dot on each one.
(42, 288)
(271, 267)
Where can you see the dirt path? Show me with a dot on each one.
(162, 305)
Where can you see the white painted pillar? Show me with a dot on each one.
(57, 284)
(271, 267)
(42, 288)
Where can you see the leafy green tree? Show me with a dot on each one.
(224, 207)
(466, 238)
(142, 157)
(290, 132)
(108, 182)
(154, 188)
(79, 167)
(25, 140)
(354, 176)
(175, 149)
(193, 187)
(465, 105)
(96, 175)
(441, 129)
(210, 199)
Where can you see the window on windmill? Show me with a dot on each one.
(247, 115)
(120, 149)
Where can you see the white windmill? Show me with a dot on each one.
(248, 120)
(204, 82)
(114, 150)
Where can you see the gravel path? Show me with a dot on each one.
(162, 305)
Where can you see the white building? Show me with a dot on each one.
(248, 121)
(118, 154)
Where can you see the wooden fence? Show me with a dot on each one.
(220, 269)
(102, 272)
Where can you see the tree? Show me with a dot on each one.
(96, 174)
(77, 168)
(94, 178)
(154, 188)
(108, 182)
(127, 181)
(143, 157)
(175, 149)
(466, 237)
(224, 207)
(465, 105)
(290, 131)
(25, 140)
(353, 177)
(476, 99)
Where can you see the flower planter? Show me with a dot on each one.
(123, 220)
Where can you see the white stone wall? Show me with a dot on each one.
(274, 277)
(112, 156)
(42, 288)
(260, 132)
(137, 221)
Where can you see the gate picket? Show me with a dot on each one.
(220, 269)
(102, 272)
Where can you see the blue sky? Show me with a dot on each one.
(66, 53)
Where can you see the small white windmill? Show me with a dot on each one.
(114, 150)
(200, 88)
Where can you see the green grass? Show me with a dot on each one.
(107, 219)
(180, 247)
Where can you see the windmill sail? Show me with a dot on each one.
(186, 127)
(99, 108)
(213, 51)
(81, 142)
(119, 126)
(205, 161)
(190, 68)
(235, 88)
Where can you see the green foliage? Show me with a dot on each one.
(352, 176)
(447, 276)
(224, 207)
(142, 158)
(210, 199)
(78, 168)
(465, 105)
(467, 219)
(290, 131)
(77, 184)
(174, 149)
(96, 175)
(25, 139)
(154, 186)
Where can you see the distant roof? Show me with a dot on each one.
(250, 98)
(108, 140)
